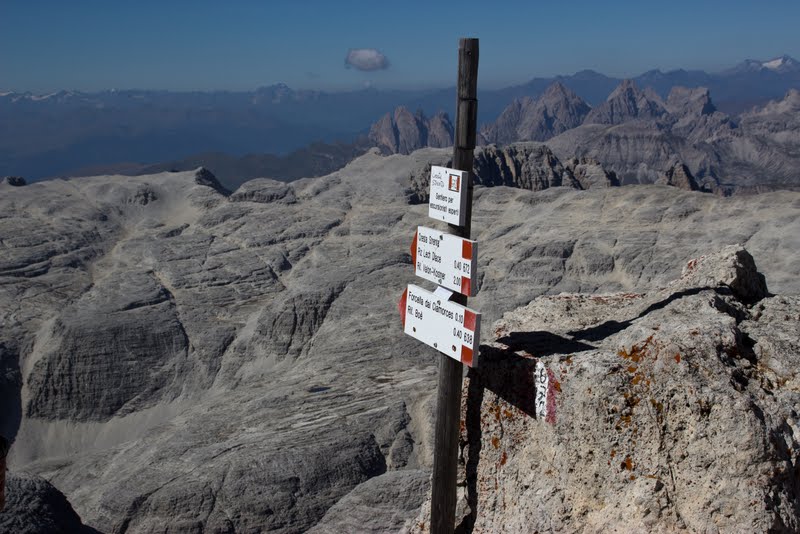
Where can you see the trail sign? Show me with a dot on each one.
(448, 195)
(448, 260)
(450, 328)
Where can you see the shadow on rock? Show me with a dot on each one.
(609, 328)
(511, 377)
(540, 343)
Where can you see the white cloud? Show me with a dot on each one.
(366, 59)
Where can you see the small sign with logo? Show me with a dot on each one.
(448, 200)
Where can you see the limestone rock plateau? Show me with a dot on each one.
(177, 358)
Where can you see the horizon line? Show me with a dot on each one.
(371, 86)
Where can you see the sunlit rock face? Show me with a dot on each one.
(664, 411)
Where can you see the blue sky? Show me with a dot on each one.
(189, 45)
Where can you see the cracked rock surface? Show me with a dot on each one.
(172, 358)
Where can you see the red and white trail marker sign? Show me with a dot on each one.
(448, 327)
(448, 260)
(448, 195)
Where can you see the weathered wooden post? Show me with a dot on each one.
(448, 406)
(441, 318)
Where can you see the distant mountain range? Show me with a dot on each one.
(68, 132)
(641, 138)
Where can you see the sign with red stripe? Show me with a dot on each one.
(444, 325)
(448, 260)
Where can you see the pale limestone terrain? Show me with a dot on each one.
(177, 359)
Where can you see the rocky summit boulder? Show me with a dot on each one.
(679, 176)
(666, 411)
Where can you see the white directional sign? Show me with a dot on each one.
(446, 326)
(448, 200)
(448, 260)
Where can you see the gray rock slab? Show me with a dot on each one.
(386, 503)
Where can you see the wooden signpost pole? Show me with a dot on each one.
(448, 406)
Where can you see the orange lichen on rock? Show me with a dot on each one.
(627, 464)
(495, 442)
(637, 352)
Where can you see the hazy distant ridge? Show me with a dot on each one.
(59, 133)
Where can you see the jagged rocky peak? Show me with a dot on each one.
(563, 107)
(690, 101)
(203, 176)
(790, 104)
(402, 132)
(525, 165)
(504, 129)
(440, 131)
(627, 102)
(679, 176)
(776, 124)
(557, 110)
(558, 92)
